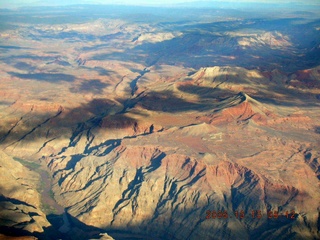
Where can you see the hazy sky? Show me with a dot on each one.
(17, 3)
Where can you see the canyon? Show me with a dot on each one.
(115, 126)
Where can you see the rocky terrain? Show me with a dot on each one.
(20, 200)
(125, 128)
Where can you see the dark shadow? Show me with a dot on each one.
(72, 163)
(117, 121)
(156, 162)
(172, 219)
(109, 145)
(72, 36)
(24, 66)
(11, 210)
(210, 46)
(96, 47)
(14, 201)
(74, 230)
(173, 222)
(273, 224)
(60, 62)
(102, 71)
(12, 47)
(166, 101)
(290, 96)
(14, 232)
(92, 115)
(6, 103)
(312, 161)
(151, 129)
(108, 37)
(12, 225)
(27, 56)
(97, 106)
(133, 83)
(94, 86)
(207, 92)
(48, 77)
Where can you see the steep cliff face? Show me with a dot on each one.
(206, 156)
(312, 159)
(20, 202)
(160, 123)
(162, 192)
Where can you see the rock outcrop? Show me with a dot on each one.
(20, 202)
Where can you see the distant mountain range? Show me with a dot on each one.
(196, 4)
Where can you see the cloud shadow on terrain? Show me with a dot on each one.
(212, 93)
(72, 36)
(77, 123)
(30, 131)
(94, 114)
(96, 107)
(60, 62)
(47, 77)
(27, 56)
(94, 86)
(165, 101)
(12, 47)
(206, 45)
(97, 113)
(278, 94)
(24, 66)
(102, 71)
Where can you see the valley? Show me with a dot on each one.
(119, 122)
